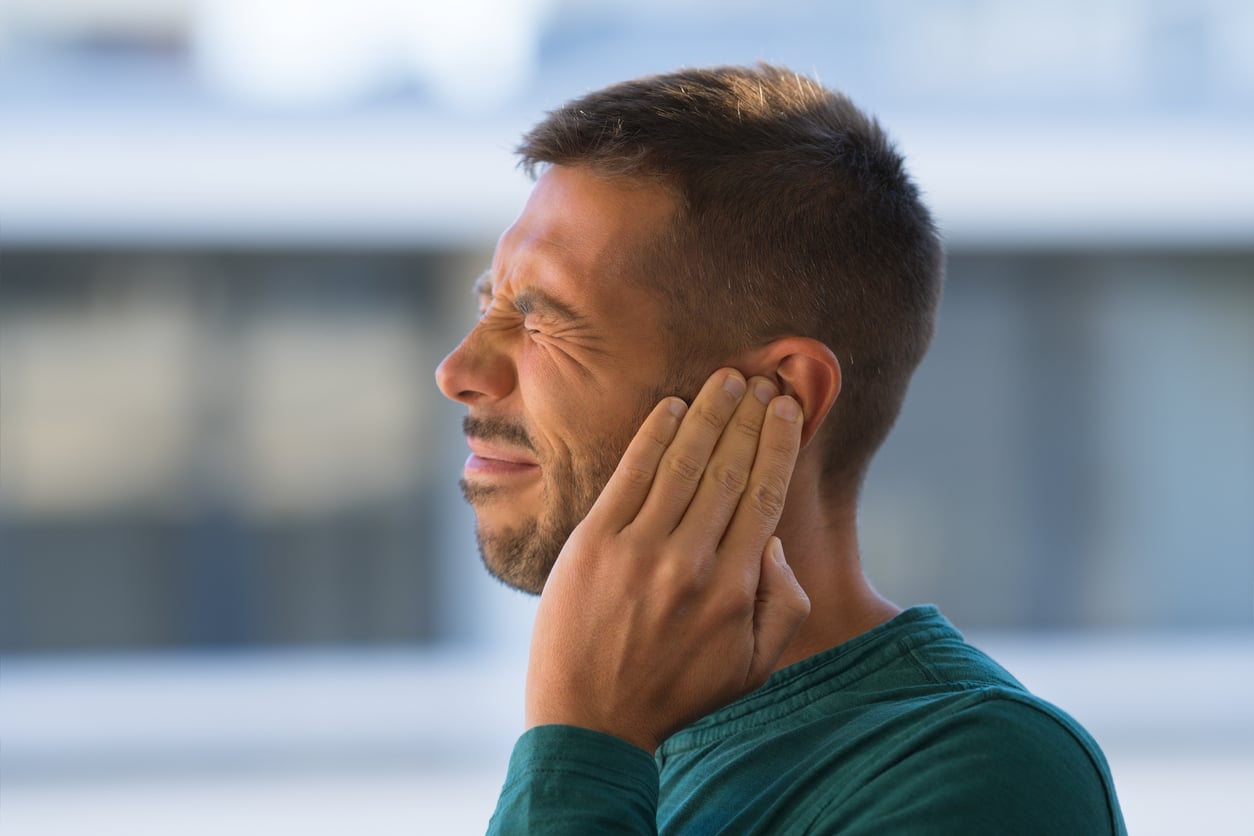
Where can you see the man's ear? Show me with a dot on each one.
(801, 367)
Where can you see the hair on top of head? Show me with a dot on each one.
(796, 216)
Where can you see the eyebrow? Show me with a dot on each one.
(483, 284)
(533, 300)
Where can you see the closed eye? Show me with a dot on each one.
(536, 311)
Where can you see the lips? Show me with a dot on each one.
(487, 459)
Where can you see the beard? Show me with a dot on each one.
(522, 556)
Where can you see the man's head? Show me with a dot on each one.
(795, 216)
(680, 223)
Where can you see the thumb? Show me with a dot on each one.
(782, 606)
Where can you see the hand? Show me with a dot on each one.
(672, 598)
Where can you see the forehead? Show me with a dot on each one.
(580, 236)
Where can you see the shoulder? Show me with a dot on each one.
(994, 761)
(1022, 736)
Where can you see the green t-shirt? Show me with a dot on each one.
(905, 729)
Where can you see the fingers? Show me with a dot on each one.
(629, 485)
(675, 599)
(758, 512)
(682, 466)
(718, 473)
(728, 472)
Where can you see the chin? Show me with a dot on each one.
(517, 557)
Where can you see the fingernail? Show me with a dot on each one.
(787, 408)
(676, 407)
(763, 391)
(734, 385)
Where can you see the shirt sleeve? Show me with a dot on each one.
(570, 780)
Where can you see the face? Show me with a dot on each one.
(565, 362)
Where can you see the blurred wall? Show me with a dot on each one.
(209, 448)
(221, 447)
(226, 279)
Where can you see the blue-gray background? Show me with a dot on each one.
(236, 237)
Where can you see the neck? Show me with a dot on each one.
(820, 537)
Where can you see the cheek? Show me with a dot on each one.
(579, 419)
(554, 412)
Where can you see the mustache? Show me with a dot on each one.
(498, 429)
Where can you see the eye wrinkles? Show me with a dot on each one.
(555, 328)
(532, 301)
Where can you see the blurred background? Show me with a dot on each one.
(238, 587)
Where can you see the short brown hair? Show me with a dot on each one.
(796, 217)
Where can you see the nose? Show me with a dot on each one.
(476, 371)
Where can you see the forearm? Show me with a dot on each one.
(569, 780)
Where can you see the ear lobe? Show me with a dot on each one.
(804, 368)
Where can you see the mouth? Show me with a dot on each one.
(490, 460)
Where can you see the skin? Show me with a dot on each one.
(563, 365)
(664, 525)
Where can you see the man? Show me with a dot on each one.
(691, 343)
